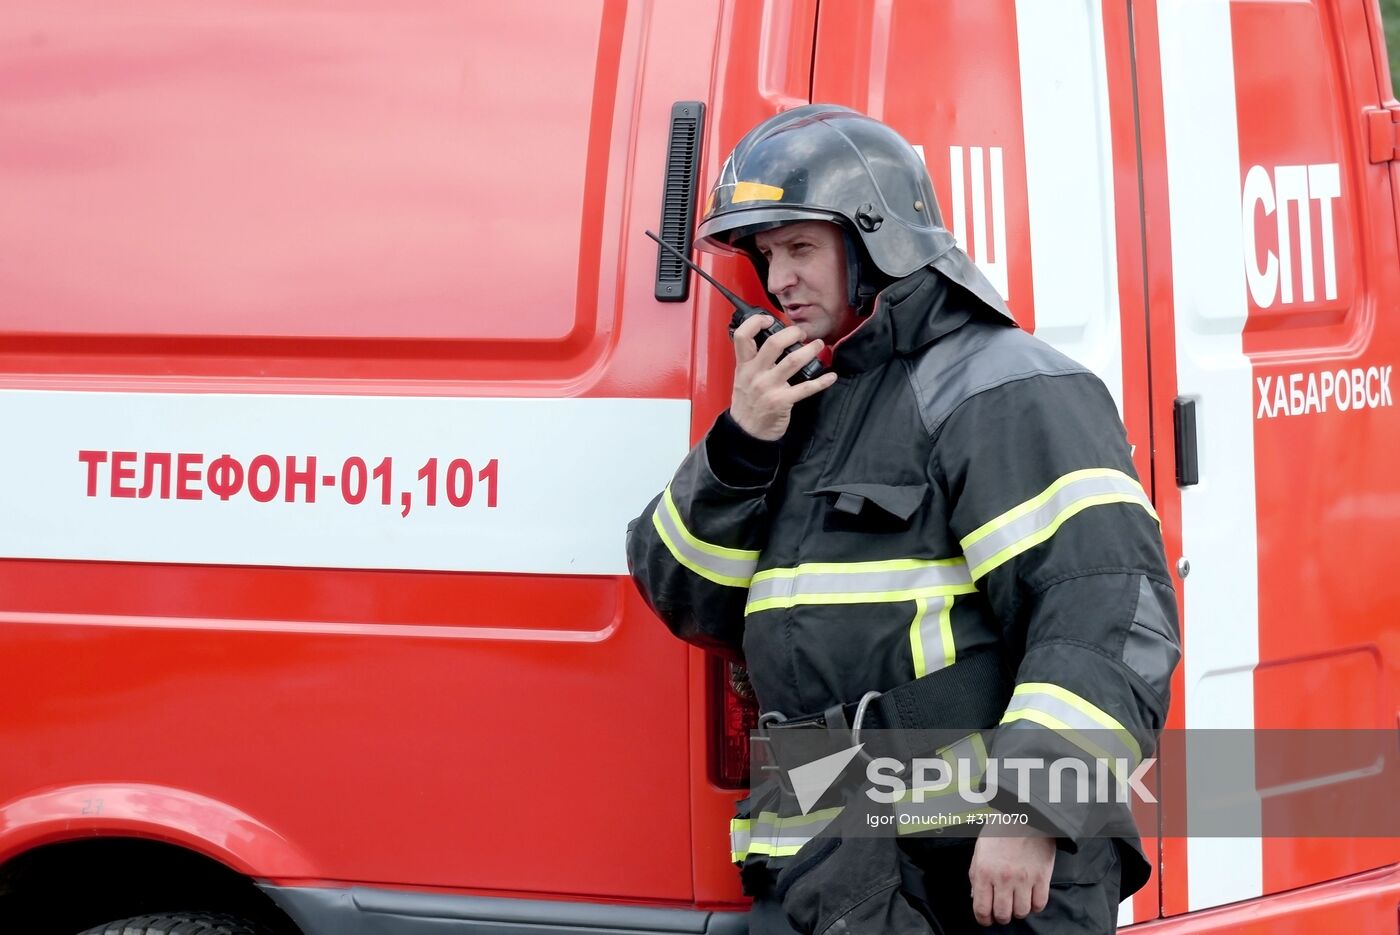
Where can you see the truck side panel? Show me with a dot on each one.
(261, 216)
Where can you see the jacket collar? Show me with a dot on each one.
(909, 313)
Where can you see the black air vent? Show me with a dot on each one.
(678, 199)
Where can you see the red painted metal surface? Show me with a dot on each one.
(434, 758)
(363, 200)
(274, 199)
(1329, 654)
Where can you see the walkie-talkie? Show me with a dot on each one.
(743, 311)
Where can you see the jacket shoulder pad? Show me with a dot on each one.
(977, 357)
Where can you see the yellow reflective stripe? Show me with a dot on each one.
(1093, 712)
(755, 191)
(768, 850)
(926, 815)
(1104, 719)
(976, 757)
(875, 582)
(794, 821)
(1069, 733)
(841, 568)
(729, 567)
(979, 750)
(682, 558)
(774, 835)
(1113, 486)
(916, 640)
(859, 597)
(921, 643)
(1036, 538)
(945, 630)
(719, 551)
(1039, 500)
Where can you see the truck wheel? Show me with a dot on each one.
(180, 923)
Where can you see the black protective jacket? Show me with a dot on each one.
(962, 487)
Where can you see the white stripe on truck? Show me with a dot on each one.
(536, 486)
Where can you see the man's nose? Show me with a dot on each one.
(780, 275)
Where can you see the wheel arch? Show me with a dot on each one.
(206, 826)
(82, 855)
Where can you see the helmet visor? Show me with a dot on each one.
(722, 233)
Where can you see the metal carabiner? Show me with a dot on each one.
(858, 721)
(860, 714)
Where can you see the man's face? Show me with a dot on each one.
(807, 273)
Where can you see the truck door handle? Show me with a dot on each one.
(1188, 472)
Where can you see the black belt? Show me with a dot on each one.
(941, 707)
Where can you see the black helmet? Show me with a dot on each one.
(822, 162)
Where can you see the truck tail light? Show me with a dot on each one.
(732, 715)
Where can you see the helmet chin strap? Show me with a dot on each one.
(863, 281)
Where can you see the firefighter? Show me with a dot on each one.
(951, 490)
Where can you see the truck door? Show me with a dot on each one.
(1272, 276)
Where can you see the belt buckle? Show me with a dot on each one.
(765, 722)
(769, 720)
(833, 718)
(775, 721)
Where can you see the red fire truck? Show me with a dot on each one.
(332, 367)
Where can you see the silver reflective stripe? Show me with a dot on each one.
(932, 635)
(768, 824)
(965, 757)
(775, 836)
(967, 762)
(971, 750)
(858, 582)
(1098, 733)
(1097, 742)
(774, 847)
(1036, 520)
(731, 567)
(778, 841)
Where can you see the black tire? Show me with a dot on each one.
(180, 923)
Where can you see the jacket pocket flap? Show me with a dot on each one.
(898, 500)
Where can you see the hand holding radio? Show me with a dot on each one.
(773, 370)
(764, 391)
